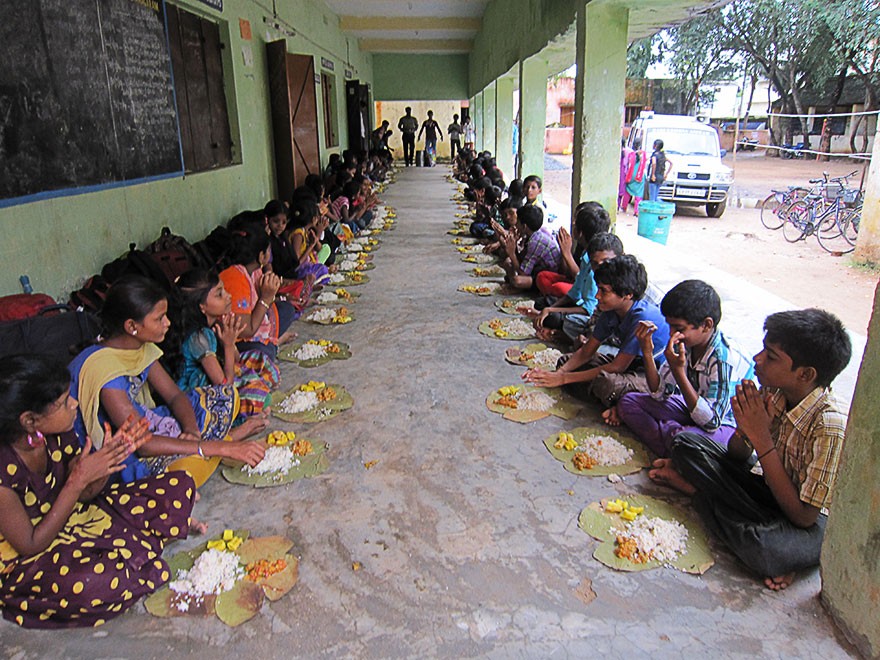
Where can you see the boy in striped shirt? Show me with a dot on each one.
(691, 391)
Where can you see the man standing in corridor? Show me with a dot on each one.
(408, 125)
(431, 129)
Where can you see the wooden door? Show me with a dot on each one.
(294, 117)
(357, 110)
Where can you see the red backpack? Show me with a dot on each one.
(23, 306)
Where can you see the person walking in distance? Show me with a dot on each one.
(454, 131)
(431, 129)
(408, 125)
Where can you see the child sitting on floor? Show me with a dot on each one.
(771, 511)
(116, 378)
(305, 240)
(692, 390)
(209, 330)
(254, 293)
(621, 284)
(542, 251)
(574, 314)
(75, 551)
(590, 219)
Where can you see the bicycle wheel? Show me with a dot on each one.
(797, 221)
(852, 218)
(770, 208)
(829, 226)
(830, 237)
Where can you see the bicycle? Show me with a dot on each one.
(833, 214)
(775, 204)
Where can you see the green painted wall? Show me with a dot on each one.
(851, 552)
(61, 241)
(514, 30)
(400, 77)
(599, 97)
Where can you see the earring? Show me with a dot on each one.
(134, 332)
(41, 439)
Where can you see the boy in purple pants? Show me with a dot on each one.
(692, 389)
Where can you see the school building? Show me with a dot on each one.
(97, 152)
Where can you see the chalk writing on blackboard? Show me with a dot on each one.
(86, 96)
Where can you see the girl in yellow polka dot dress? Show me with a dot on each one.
(74, 551)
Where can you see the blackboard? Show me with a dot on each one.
(86, 96)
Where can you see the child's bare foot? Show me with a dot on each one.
(611, 417)
(251, 426)
(665, 475)
(546, 334)
(197, 527)
(286, 338)
(779, 582)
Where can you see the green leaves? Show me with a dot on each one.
(639, 460)
(605, 527)
(565, 407)
(311, 465)
(490, 332)
(515, 356)
(244, 600)
(287, 354)
(509, 305)
(324, 409)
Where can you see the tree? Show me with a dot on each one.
(701, 52)
(788, 41)
(640, 54)
(854, 26)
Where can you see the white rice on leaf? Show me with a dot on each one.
(323, 314)
(662, 540)
(214, 572)
(336, 278)
(310, 352)
(298, 402)
(535, 400)
(519, 327)
(348, 264)
(326, 297)
(547, 358)
(277, 460)
(605, 450)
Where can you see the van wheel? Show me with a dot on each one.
(716, 210)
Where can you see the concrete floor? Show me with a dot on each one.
(465, 527)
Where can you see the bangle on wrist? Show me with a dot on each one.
(199, 449)
(264, 304)
(767, 452)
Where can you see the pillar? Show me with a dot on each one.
(868, 246)
(477, 119)
(599, 102)
(489, 117)
(851, 551)
(532, 115)
(504, 126)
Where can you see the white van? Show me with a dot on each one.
(697, 177)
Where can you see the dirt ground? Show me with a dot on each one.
(738, 243)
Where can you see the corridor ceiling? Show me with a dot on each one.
(411, 26)
(449, 26)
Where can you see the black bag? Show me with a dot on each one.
(175, 255)
(58, 335)
(215, 249)
(90, 296)
(136, 262)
